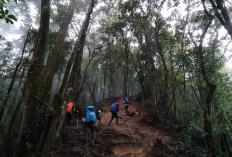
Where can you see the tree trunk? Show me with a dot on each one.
(211, 90)
(54, 57)
(104, 82)
(27, 107)
(156, 113)
(160, 51)
(125, 81)
(208, 123)
(226, 144)
(75, 76)
(222, 14)
(50, 70)
(72, 88)
(2, 108)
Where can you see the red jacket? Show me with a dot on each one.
(69, 108)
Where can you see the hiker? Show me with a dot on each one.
(126, 103)
(69, 113)
(89, 119)
(98, 114)
(74, 120)
(114, 110)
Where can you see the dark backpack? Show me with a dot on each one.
(97, 111)
(114, 107)
(126, 101)
(90, 115)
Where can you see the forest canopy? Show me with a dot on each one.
(176, 54)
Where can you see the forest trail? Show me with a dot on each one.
(133, 137)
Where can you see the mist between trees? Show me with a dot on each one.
(174, 53)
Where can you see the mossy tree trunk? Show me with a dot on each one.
(70, 85)
(75, 76)
(49, 72)
(161, 53)
(211, 88)
(54, 57)
(126, 67)
(20, 137)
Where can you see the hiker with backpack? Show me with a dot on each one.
(74, 121)
(126, 103)
(89, 119)
(69, 113)
(98, 114)
(114, 110)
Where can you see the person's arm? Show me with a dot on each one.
(83, 118)
(84, 114)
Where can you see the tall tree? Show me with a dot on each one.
(70, 84)
(75, 75)
(26, 107)
(221, 11)
(2, 108)
(54, 57)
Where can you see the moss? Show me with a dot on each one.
(50, 112)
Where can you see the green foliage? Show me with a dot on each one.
(193, 137)
(58, 15)
(50, 112)
(115, 26)
(4, 12)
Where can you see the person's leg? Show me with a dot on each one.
(86, 130)
(91, 127)
(116, 116)
(68, 118)
(126, 109)
(112, 117)
(99, 118)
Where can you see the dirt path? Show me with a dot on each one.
(131, 138)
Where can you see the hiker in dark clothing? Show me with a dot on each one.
(89, 120)
(114, 110)
(98, 114)
(126, 103)
(69, 113)
(74, 120)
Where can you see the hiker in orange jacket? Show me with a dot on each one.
(69, 113)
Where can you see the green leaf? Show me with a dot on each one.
(12, 17)
(6, 12)
(11, 22)
(7, 20)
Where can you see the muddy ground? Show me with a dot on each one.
(135, 136)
